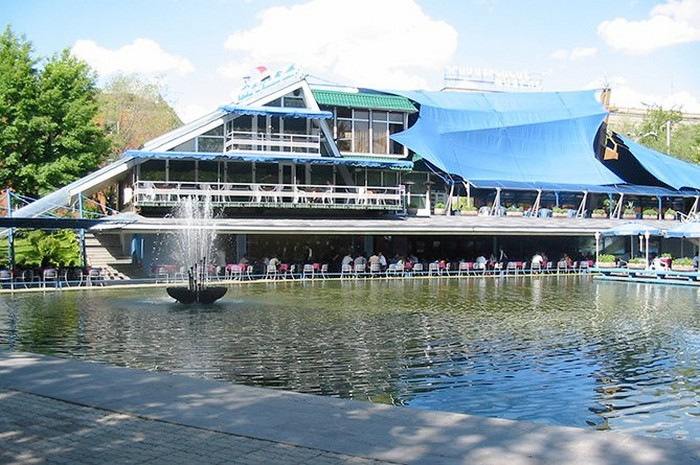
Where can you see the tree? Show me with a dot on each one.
(133, 111)
(48, 137)
(18, 87)
(663, 131)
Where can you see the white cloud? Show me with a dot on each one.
(142, 56)
(674, 22)
(388, 43)
(578, 53)
(625, 96)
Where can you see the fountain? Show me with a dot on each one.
(194, 244)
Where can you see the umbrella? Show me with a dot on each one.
(685, 230)
(632, 229)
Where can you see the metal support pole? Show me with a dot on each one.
(81, 235)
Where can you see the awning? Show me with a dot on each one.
(251, 157)
(638, 164)
(48, 223)
(335, 98)
(543, 138)
(284, 112)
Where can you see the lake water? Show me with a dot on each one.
(556, 350)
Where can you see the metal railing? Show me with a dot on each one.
(159, 194)
(244, 141)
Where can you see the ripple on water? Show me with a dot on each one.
(553, 350)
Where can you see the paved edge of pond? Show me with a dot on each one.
(360, 432)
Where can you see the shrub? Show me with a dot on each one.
(683, 261)
(650, 212)
(607, 258)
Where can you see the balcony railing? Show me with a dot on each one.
(236, 195)
(243, 141)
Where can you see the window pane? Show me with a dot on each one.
(361, 136)
(182, 170)
(217, 131)
(396, 117)
(379, 116)
(344, 135)
(362, 114)
(394, 147)
(379, 138)
(210, 144)
(343, 112)
(188, 146)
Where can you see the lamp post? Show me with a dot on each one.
(597, 242)
(646, 236)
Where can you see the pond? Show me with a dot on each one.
(563, 350)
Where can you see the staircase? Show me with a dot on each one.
(105, 251)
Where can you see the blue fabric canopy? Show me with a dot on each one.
(536, 138)
(285, 112)
(633, 229)
(267, 158)
(671, 171)
(691, 229)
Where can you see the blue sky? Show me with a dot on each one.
(646, 50)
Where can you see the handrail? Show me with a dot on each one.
(155, 193)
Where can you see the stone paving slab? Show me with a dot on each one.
(66, 411)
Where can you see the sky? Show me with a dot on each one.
(647, 51)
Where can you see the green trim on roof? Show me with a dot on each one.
(335, 98)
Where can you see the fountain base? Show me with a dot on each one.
(204, 295)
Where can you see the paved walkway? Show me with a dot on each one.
(58, 411)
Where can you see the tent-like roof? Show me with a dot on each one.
(521, 138)
(641, 165)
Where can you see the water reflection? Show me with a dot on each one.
(556, 350)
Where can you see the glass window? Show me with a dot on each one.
(379, 138)
(396, 117)
(207, 171)
(210, 144)
(266, 173)
(361, 137)
(188, 146)
(394, 147)
(217, 131)
(361, 115)
(379, 116)
(182, 170)
(238, 172)
(243, 123)
(152, 170)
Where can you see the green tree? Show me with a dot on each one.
(49, 137)
(134, 111)
(663, 131)
(18, 105)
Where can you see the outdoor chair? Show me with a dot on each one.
(511, 268)
(308, 271)
(464, 268)
(271, 272)
(48, 275)
(375, 269)
(535, 267)
(345, 271)
(95, 277)
(418, 268)
(433, 269)
(5, 278)
(291, 269)
(359, 269)
(324, 270)
(561, 266)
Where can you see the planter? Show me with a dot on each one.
(650, 217)
(670, 217)
(469, 212)
(630, 216)
(606, 265)
(637, 266)
(513, 213)
(559, 214)
(600, 216)
(439, 211)
(682, 267)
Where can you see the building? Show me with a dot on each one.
(290, 166)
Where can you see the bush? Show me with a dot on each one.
(683, 261)
(650, 212)
(607, 258)
(638, 260)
